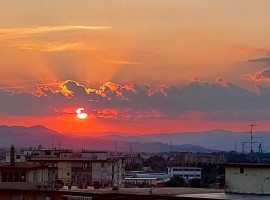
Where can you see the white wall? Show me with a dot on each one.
(185, 172)
(252, 181)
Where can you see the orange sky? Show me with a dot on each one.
(154, 43)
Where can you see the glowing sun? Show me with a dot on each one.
(81, 114)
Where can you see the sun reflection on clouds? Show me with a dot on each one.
(9, 33)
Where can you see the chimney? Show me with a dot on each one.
(12, 156)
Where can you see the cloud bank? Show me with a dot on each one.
(131, 102)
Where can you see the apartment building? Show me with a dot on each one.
(84, 170)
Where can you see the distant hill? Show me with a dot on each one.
(204, 141)
(213, 139)
(39, 135)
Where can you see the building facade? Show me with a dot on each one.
(185, 172)
(24, 176)
(247, 178)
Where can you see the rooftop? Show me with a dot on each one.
(253, 165)
(69, 159)
(26, 166)
(173, 193)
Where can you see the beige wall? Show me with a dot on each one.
(252, 181)
(95, 155)
(64, 168)
(105, 173)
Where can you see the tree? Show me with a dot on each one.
(157, 163)
(176, 181)
(195, 182)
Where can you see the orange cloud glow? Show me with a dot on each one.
(8, 33)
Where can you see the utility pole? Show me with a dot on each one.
(251, 137)
(260, 153)
(243, 146)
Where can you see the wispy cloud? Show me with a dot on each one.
(262, 75)
(54, 46)
(123, 62)
(8, 33)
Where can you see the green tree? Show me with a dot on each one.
(157, 163)
(195, 182)
(176, 181)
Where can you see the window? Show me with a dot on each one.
(10, 176)
(35, 176)
(17, 177)
(18, 157)
(4, 176)
(23, 177)
(102, 164)
(13, 176)
(241, 170)
(16, 197)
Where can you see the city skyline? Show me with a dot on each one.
(135, 66)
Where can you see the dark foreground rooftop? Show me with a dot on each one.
(130, 194)
(174, 193)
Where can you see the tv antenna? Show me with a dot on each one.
(252, 137)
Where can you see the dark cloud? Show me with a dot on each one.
(263, 60)
(215, 101)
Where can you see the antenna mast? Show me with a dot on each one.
(251, 137)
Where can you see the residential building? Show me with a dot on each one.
(19, 158)
(23, 176)
(95, 155)
(212, 158)
(91, 167)
(182, 159)
(84, 170)
(133, 159)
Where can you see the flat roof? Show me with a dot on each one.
(140, 178)
(25, 166)
(93, 151)
(253, 165)
(185, 167)
(170, 191)
(69, 160)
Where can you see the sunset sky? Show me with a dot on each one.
(136, 66)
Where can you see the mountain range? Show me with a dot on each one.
(204, 141)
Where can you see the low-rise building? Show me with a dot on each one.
(140, 182)
(212, 158)
(95, 155)
(186, 172)
(247, 178)
(182, 159)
